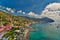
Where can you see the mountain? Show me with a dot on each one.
(42, 20)
(46, 20)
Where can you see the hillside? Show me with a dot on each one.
(13, 20)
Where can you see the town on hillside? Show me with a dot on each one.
(14, 27)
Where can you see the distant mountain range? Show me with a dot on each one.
(43, 20)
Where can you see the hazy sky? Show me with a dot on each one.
(27, 5)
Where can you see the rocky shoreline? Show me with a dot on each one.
(26, 33)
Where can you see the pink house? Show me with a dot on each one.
(7, 27)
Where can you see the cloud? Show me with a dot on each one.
(7, 9)
(10, 10)
(21, 12)
(52, 11)
(24, 13)
(53, 6)
(32, 14)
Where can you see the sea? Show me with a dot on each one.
(44, 31)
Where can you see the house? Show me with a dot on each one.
(8, 27)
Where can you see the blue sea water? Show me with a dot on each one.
(44, 32)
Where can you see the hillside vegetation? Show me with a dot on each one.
(13, 20)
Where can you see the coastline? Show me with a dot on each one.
(26, 31)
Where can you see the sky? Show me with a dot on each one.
(35, 6)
